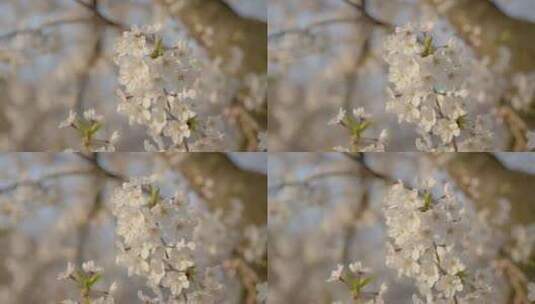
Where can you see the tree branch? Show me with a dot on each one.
(39, 29)
(319, 176)
(220, 182)
(107, 21)
(46, 177)
(497, 30)
(484, 179)
(227, 36)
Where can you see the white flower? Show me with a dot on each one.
(67, 273)
(176, 282)
(356, 267)
(382, 290)
(114, 137)
(429, 88)
(449, 285)
(113, 288)
(524, 91)
(428, 242)
(71, 119)
(183, 244)
(428, 117)
(89, 266)
(336, 274)
(143, 229)
(150, 84)
(91, 115)
(360, 114)
(447, 129)
(339, 117)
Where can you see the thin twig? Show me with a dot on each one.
(39, 29)
(101, 17)
(314, 177)
(308, 28)
(363, 9)
(46, 177)
(360, 159)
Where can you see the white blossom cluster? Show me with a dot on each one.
(430, 90)
(357, 124)
(159, 86)
(356, 280)
(523, 239)
(88, 126)
(524, 91)
(86, 278)
(431, 241)
(155, 239)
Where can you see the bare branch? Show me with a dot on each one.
(46, 177)
(363, 9)
(93, 8)
(39, 29)
(308, 28)
(314, 177)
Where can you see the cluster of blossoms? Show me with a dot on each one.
(429, 89)
(357, 124)
(156, 239)
(524, 91)
(160, 86)
(433, 241)
(88, 126)
(523, 243)
(356, 280)
(86, 278)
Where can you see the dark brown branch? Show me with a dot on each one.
(105, 20)
(92, 159)
(360, 158)
(364, 11)
(93, 59)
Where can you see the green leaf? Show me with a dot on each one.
(192, 123)
(359, 127)
(428, 200)
(461, 122)
(94, 128)
(364, 282)
(158, 49)
(154, 196)
(429, 49)
(358, 284)
(92, 280)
